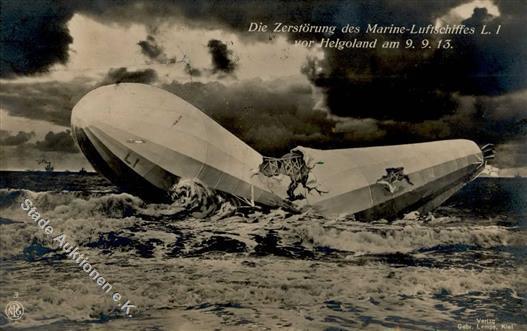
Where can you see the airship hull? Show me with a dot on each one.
(353, 178)
(145, 139)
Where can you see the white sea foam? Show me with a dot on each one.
(266, 270)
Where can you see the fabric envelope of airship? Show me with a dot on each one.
(146, 140)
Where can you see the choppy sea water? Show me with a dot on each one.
(262, 271)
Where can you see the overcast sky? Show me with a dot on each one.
(272, 94)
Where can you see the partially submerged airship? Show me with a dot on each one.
(146, 140)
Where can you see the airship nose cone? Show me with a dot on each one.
(115, 105)
(97, 108)
(92, 107)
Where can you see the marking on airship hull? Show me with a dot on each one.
(293, 165)
(393, 179)
(127, 160)
(135, 141)
(177, 120)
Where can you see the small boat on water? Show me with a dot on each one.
(146, 140)
(48, 166)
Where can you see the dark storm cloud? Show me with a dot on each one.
(7, 139)
(48, 101)
(414, 85)
(222, 60)
(373, 96)
(489, 65)
(150, 48)
(57, 142)
(122, 75)
(154, 51)
(512, 154)
(34, 36)
(237, 15)
(53, 101)
(410, 85)
(273, 117)
(484, 119)
(359, 130)
(500, 118)
(402, 75)
(194, 72)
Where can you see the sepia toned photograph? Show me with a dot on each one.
(263, 165)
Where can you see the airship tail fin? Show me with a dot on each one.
(488, 152)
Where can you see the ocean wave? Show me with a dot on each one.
(223, 265)
(131, 225)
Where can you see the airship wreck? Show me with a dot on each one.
(147, 140)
